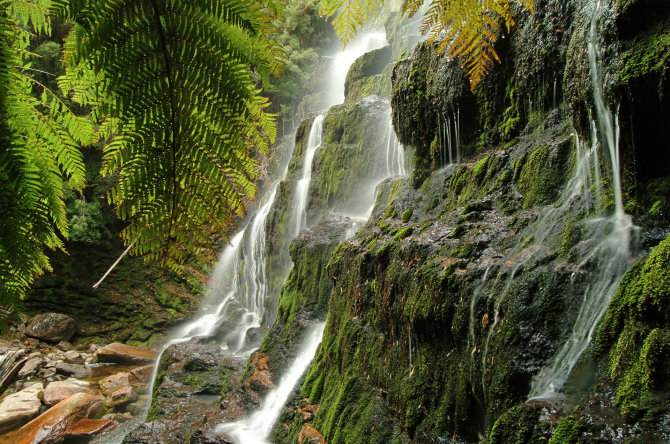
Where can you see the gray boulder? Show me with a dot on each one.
(52, 327)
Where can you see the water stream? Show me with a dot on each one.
(256, 427)
(612, 252)
(302, 187)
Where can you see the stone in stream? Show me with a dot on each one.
(125, 354)
(19, 408)
(57, 391)
(32, 366)
(118, 389)
(78, 371)
(58, 422)
(87, 428)
(52, 327)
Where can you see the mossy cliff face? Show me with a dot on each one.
(632, 46)
(352, 158)
(306, 293)
(446, 305)
(428, 88)
(279, 229)
(419, 346)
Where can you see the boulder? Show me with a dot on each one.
(73, 357)
(77, 371)
(19, 408)
(52, 327)
(310, 435)
(87, 428)
(118, 389)
(31, 367)
(57, 422)
(143, 374)
(125, 354)
(57, 391)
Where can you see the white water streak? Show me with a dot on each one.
(612, 251)
(256, 427)
(302, 187)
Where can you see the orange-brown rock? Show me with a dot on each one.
(118, 389)
(308, 410)
(57, 391)
(56, 423)
(310, 435)
(125, 354)
(261, 373)
(90, 427)
(142, 374)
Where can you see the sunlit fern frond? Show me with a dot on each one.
(464, 28)
(350, 15)
(411, 7)
(40, 156)
(468, 29)
(175, 82)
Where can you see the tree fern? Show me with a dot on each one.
(39, 157)
(463, 28)
(175, 83)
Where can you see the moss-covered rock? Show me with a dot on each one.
(634, 337)
(363, 76)
(306, 293)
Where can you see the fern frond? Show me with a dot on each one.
(173, 83)
(468, 29)
(350, 15)
(40, 140)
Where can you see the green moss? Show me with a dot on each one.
(568, 431)
(540, 175)
(649, 55)
(634, 334)
(390, 212)
(406, 215)
(516, 426)
(402, 234)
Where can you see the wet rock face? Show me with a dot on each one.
(18, 408)
(58, 422)
(125, 354)
(351, 160)
(444, 308)
(53, 327)
(306, 293)
(365, 75)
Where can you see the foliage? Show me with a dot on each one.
(463, 28)
(40, 138)
(175, 86)
(301, 32)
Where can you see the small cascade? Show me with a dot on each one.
(612, 253)
(396, 165)
(256, 427)
(449, 137)
(343, 60)
(302, 187)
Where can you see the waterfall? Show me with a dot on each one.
(612, 253)
(449, 137)
(396, 165)
(343, 60)
(302, 187)
(256, 427)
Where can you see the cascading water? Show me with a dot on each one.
(396, 165)
(612, 252)
(256, 427)
(449, 137)
(343, 60)
(302, 187)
